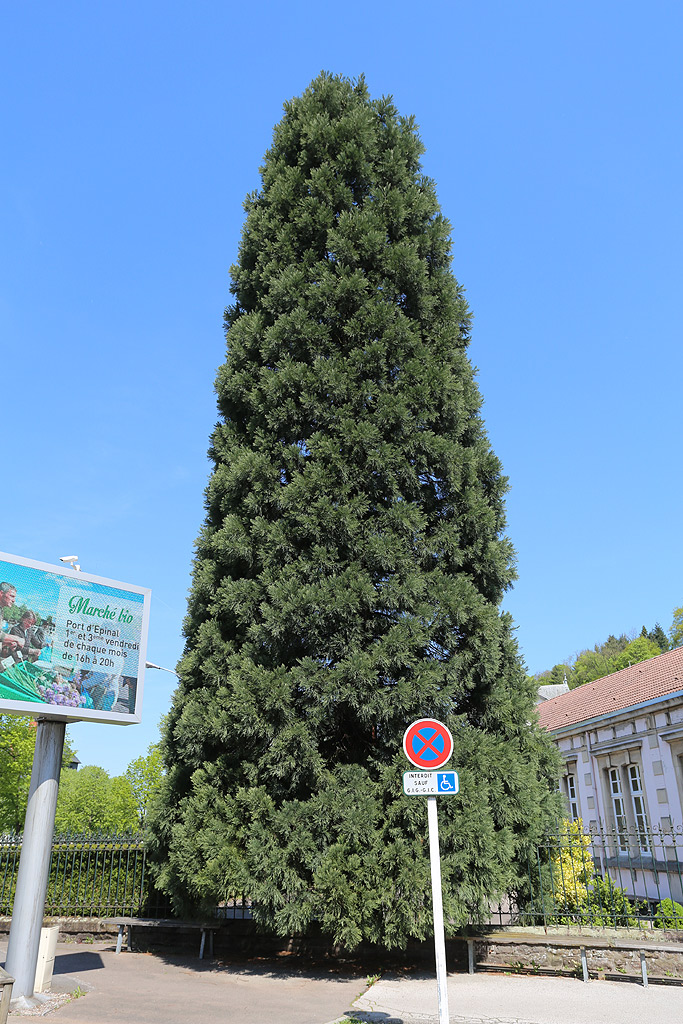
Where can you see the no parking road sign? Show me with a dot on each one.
(427, 743)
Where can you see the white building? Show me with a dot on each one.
(621, 738)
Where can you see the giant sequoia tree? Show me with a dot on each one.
(350, 570)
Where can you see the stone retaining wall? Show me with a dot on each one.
(76, 929)
(601, 962)
(239, 937)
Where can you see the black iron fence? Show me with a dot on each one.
(604, 877)
(598, 876)
(90, 876)
(98, 875)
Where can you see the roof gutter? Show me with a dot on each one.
(584, 723)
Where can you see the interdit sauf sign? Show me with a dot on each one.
(72, 645)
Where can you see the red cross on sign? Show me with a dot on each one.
(428, 744)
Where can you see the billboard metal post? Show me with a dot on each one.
(34, 864)
(437, 906)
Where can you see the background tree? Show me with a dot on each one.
(614, 654)
(658, 637)
(350, 571)
(640, 649)
(17, 742)
(588, 666)
(90, 801)
(144, 775)
(556, 675)
(676, 631)
(613, 645)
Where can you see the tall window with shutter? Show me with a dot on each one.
(619, 809)
(639, 812)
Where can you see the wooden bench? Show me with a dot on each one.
(580, 942)
(128, 923)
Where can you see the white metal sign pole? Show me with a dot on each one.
(437, 904)
(34, 864)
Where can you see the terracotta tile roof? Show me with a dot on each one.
(645, 681)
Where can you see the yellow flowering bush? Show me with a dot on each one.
(572, 867)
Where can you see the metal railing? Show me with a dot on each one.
(99, 875)
(605, 877)
(90, 876)
(599, 877)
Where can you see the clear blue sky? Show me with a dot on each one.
(132, 132)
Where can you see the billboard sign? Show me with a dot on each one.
(72, 645)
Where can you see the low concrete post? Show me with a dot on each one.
(643, 968)
(470, 956)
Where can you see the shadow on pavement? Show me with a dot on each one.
(366, 1017)
(171, 986)
(260, 966)
(79, 960)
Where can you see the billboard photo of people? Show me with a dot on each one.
(72, 645)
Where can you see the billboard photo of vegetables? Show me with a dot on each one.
(23, 681)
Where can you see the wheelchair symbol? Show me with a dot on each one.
(446, 782)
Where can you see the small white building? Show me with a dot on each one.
(621, 738)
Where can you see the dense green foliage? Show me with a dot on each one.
(17, 742)
(15, 613)
(566, 888)
(676, 631)
(614, 654)
(144, 775)
(349, 574)
(669, 914)
(91, 801)
(608, 906)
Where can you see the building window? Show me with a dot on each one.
(639, 812)
(678, 763)
(572, 798)
(619, 808)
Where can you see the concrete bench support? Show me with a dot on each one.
(119, 939)
(128, 923)
(210, 932)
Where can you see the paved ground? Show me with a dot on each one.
(144, 988)
(517, 999)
